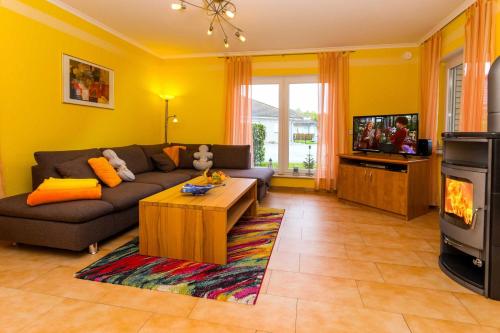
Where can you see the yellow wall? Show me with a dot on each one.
(382, 82)
(34, 36)
(198, 87)
(305, 183)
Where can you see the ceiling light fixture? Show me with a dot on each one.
(218, 10)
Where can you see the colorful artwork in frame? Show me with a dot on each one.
(85, 83)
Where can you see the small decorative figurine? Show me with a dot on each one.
(121, 167)
(203, 158)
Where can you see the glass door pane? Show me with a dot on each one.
(459, 200)
(265, 124)
(303, 126)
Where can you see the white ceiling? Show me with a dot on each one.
(272, 25)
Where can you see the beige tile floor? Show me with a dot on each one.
(336, 267)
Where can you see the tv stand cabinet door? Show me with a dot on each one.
(392, 191)
(352, 183)
(370, 188)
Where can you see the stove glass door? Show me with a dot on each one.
(459, 201)
(463, 196)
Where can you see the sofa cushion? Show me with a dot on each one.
(231, 156)
(191, 173)
(47, 160)
(186, 157)
(135, 158)
(150, 150)
(127, 195)
(163, 162)
(263, 175)
(165, 180)
(70, 212)
(77, 168)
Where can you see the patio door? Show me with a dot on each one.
(284, 117)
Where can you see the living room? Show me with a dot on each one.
(241, 166)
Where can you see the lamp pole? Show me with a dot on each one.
(167, 117)
(166, 120)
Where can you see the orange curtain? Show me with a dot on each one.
(478, 55)
(429, 101)
(333, 108)
(2, 185)
(238, 101)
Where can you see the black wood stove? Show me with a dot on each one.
(470, 201)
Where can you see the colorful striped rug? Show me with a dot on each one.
(250, 244)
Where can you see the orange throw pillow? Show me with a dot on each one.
(105, 171)
(40, 197)
(173, 153)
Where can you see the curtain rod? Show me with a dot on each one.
(282, 55)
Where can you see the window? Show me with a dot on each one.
(455, 70)
(284, 119)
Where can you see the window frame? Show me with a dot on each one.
(284, 82)
(452, 61)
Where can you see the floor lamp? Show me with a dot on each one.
(167, 117)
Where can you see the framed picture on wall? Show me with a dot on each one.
(85, 83)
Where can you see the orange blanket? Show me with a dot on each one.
(40, 197)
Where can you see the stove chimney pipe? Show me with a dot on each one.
(494, 97)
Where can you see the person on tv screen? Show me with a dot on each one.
(368, 140)
(398, 138)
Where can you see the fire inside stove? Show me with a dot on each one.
(459, 199)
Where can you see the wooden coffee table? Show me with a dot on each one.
(180, 226)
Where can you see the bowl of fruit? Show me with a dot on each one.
(215, 178)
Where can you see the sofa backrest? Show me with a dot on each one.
(138, 158)
(186, 157)
(231, 156)
(134, 156)
(150, 150)
(47, 161)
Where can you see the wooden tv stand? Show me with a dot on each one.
(389, 182)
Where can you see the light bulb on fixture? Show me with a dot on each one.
(210, 31)
(229, 13)
(178, 6)
(240, 36)
(226, 44)
(175, 120)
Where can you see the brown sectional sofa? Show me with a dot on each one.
(76, 225)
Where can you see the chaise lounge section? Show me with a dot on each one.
(76, 225)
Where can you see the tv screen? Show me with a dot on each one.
(396, 134)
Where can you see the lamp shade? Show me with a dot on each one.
(167, 97)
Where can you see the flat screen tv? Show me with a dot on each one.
(395, 134)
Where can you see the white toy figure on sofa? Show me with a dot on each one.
(119, 164)
(202, 159)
